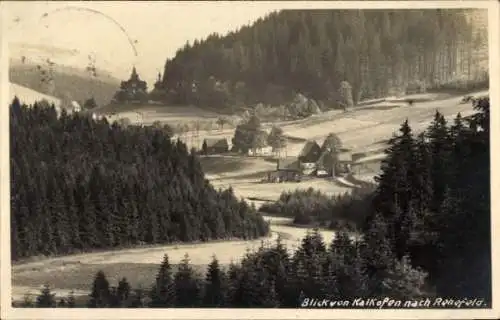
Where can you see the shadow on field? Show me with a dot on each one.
(219, 164)
(293, 139)
(139, 275)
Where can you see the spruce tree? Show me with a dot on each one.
(277, 262)
(163, 292)
(62, 303)
(378, 252)
(423, 188)
(187, 285)
(71, 300)
(100, 295)
(215, 285)
(439, 143)
(123, 291)
(271, 299)
(46, 299)
(398, 173)
(234, 296)
(137, 299)
(403, 281)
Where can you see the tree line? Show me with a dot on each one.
(271, 277)
(311, 207)
(79, 184)
(318, 52)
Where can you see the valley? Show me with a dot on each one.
(361, 130)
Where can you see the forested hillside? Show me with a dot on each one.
(313, 51)
(78, 185)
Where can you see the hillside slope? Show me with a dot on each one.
(69, 82)
(29, 96)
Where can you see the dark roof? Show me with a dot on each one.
(289, 163)
(213, 142)
(309, 147)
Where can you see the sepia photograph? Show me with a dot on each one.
(328, 156)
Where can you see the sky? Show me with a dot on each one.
(156, 29)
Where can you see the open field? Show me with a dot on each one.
(360, 129)
(220, 167)
(74, 83)
(29, 96)
(272, 191)
(164, 114)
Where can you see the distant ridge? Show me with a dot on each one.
(69, 68)
(69, 82)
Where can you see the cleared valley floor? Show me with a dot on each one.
(140, 266)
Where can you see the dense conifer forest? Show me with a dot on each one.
(433, 201)
(311, 207)
(79, 184)
(314, 51)
(427, 233)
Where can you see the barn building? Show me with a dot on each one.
(287, 169)
(344, 163)
(310, 153)
(333, 163)
(215, 146)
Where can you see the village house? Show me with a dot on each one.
(215, 146)
(287, 169)
(344, 163)
(358, 155)
(76, 106)
(265, 151)
(368, 164)
(310, 154)
(333, 163)
(325, 164)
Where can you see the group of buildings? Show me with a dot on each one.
(313, 160)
